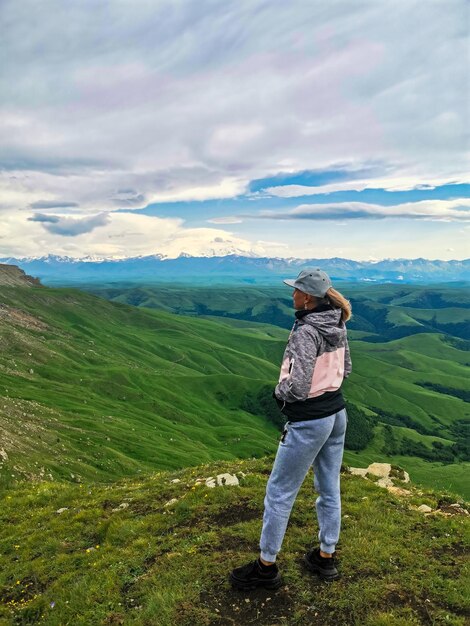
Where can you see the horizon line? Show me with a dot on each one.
(162, 257)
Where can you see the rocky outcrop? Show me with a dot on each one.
(385, 473)
(13, 276)
(21, 318)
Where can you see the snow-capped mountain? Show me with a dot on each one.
(234, 268)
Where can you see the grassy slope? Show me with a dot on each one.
(385, 377)
(108, 390)
(420, 303)
(166, 565)
(388, 374)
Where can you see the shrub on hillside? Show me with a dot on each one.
(391, 445)
(358, 434)
(262, 403)
(396, 419)
(439, 452)
(461, 431)
(360, 431)
(463, 394)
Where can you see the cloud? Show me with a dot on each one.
(127, 234)
(184, 102)
(102, 191)
(53, 205)
(236, 92)
(435, 210)
(128, 198)
(40, 217)
(120, 234)
(273, 243)
(69, 226)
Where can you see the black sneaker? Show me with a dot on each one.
(323, 566)
(251, 575)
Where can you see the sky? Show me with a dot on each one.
(266, 128)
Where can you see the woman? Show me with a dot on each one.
(315, 362)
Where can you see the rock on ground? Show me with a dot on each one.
(222, 480)
(382, 471)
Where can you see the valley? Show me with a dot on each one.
(98, 390)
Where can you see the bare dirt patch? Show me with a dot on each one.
(457, 549)
(230, 607)
(451, 508)
(21, 318)
(231, 543)
(243, 511)
(115, 619)
(399, 598)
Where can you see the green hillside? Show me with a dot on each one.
(384, 311)
(97, 390)
(104, 394)
(152, 551)
(410, 350)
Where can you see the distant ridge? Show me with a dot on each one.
(236, 269)
(13, 276)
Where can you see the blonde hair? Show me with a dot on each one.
(338, 300)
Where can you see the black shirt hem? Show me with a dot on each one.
(313, 408)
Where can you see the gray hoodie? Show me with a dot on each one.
(316, 358)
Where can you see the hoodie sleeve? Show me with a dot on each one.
(303, 353)
(347, 360)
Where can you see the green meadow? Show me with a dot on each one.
(410, 350)
(385, 310)
(111, 412)
(99, 390)
(157, 551)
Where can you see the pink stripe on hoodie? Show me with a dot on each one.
(328, 373)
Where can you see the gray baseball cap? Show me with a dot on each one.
(313, 281)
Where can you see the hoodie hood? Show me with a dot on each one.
(327, 323)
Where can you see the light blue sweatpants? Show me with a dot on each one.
(318, 443)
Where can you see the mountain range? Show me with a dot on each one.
(230, 269)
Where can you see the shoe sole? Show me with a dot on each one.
(271, 584)
(317, 570)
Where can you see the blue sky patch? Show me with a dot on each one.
(308, 178)
(198, 212)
